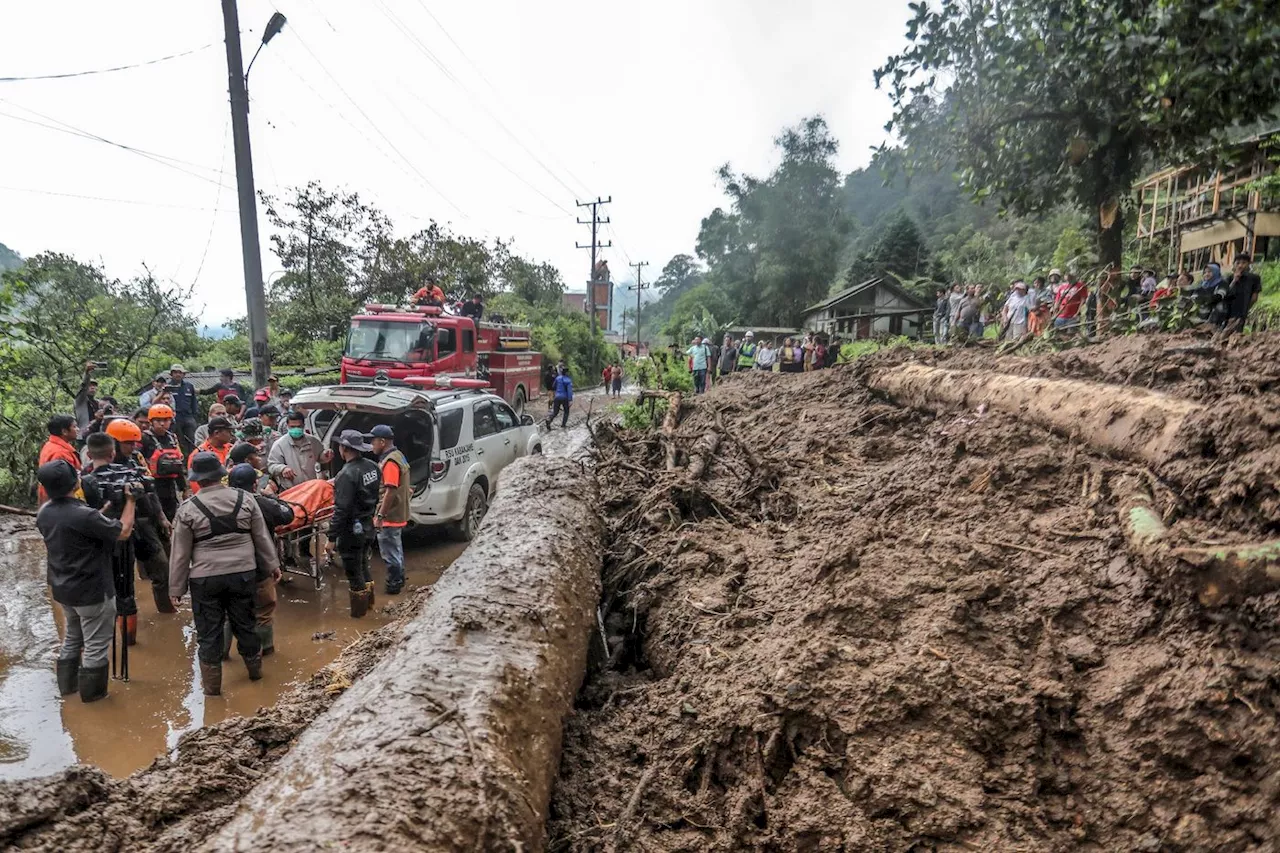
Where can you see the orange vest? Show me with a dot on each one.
(206, 447)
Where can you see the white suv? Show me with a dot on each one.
(457, 441)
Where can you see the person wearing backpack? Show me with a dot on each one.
(163, 452)
(219, 537)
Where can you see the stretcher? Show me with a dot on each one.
(300, 544)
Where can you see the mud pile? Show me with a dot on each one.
(867, 627)
(180, 800)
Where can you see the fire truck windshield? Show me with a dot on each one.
(390, 340)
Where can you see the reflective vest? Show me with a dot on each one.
(747, 354)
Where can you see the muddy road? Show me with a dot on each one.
(162, 701)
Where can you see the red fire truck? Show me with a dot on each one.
(390, 345)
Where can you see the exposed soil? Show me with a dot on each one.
(176, 803)
(868, 627)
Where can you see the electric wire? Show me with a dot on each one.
(217, 199)
(71, 74)
(375, 127)
(110, 200)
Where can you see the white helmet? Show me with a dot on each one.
(751, 334)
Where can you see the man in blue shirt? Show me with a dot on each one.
(562, 397)
(701, 355)
(185, 411)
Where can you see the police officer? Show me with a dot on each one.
(355, 497)
(219, 537)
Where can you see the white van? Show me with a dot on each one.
(457, 441)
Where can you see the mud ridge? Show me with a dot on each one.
(872, 627)
(177, 802)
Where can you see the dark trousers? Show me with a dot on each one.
(699, 381)
(186, 430)
(122, 560)
(225, 597)
(558, 406)
(156, 567)
(353, 548)
(169, 495)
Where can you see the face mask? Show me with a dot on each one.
(295, 432)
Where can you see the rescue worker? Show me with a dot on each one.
(161, 449)
(747, 352)
(219, 537)
(355, 499)
(97, 479)
(295, 457)
(393, 511)
(152, 529)
(247, 453)
(275, 513)
(81, 543)
(220, 441)
(270, 417)
(61, 444)
(473, 309)
(429, 294)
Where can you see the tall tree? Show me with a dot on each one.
(1044, 100)
(776, 251)
(899, 251)
(678, 275)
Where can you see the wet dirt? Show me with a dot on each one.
(869, 627)
(144, 717)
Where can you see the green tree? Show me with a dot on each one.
(776, 250)
(899, 250)
(679, 274)
(1043, 101)
(9, 259)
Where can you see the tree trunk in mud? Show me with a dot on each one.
(1130, 422)
(453, 740)
(669, 424)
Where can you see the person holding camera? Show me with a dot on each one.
(80, 542)
(216, 535)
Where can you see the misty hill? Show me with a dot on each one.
(9, 259)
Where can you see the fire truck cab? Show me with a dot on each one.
(389, 345)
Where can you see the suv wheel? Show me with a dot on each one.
(477, 506)
(519, 406)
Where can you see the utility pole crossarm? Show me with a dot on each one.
(595, 246)
(638, 287)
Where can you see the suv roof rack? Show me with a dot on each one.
(457, 394)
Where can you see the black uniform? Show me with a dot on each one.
(355, 497)
(103, 491)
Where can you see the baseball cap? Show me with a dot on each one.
(57, 477)
(243, 476)
(261, 396)
(231, 400)
(219, 423)
(268, 409)
(382, 431)
(241, 453)
(354, 440)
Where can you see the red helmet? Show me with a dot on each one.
(159, 412)
(123, 429)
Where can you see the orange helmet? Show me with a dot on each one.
(159, 412)
(123, 429)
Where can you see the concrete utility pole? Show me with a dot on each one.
(254, 294)
(638, 287)
(595, 246)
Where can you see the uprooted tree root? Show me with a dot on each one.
(862, 626)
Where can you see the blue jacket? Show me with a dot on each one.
(564, 388)
(184, 401)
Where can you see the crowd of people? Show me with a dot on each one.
(709, 362)
(126, 494)
(1068, 302)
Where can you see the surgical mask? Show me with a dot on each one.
(295, 432)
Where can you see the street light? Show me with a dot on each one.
(274, 26)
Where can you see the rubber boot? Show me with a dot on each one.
(68, 676)
(164, 604)
(131, 628)
(359, 603)
(267, 634)
(369, 588)
(211, 678)
(226, 639)
(254, 665)
(93, 682)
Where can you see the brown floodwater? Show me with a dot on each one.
(144, 717)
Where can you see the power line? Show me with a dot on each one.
(375, 127)
(162, 159)
(217, 199)
(444, 69)
(109, 70)
(480, 73)
(136, 201)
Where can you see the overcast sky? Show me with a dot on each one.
(401, 101)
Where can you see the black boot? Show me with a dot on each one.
(359, 603)
(253, 663)
(164, 604)
(368, 590)
(211, 678)
(267, 634)
(93, 683)
(68, 676)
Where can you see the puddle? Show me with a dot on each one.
(144, 717)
